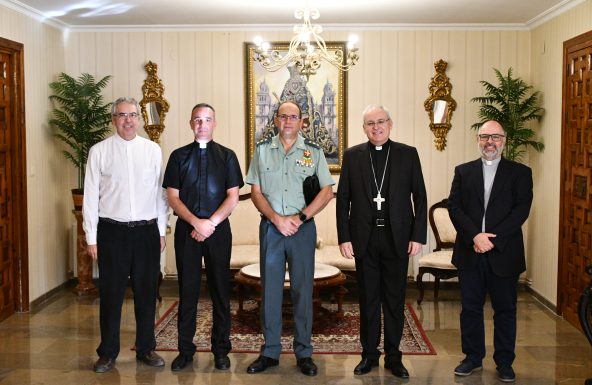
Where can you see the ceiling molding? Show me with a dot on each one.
(33, 14)
(535, 22)
(553, 12)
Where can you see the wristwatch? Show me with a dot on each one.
(302, 217)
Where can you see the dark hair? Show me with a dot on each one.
(291, 102)
(203, 105)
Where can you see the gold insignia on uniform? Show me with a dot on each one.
(306, 160)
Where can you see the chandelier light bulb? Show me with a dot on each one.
(307, 48)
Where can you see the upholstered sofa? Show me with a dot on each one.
(245, 220)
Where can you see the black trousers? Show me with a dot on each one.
(475, 284)
(382, 280)
(216, 253)
(124, 252)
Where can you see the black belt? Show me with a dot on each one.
(128, 224)
(381, 222)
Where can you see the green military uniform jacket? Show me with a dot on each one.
(280, 175)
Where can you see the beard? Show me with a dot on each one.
(490, 151)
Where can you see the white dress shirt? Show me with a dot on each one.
(122, 183)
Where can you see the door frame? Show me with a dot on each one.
(19, 176)
(573, 44)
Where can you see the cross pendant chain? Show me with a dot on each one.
(379, 199)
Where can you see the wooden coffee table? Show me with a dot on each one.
(325, 277)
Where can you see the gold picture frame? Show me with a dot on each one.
(322, 98)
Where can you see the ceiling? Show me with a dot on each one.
(228, 14)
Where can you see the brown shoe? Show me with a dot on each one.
(103, 364)
(151, 359)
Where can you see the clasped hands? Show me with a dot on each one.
(202, 229)
(482, 244)
(287, 225)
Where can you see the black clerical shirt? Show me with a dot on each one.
(203, 189)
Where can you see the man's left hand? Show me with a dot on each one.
(413, 248)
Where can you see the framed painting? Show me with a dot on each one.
(322, 99)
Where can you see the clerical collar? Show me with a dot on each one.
(203, 143)
(385, 145)
(494, 162)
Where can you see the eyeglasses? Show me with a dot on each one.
(201, 120)
(379, 122)
(292, 118)
(125, 115)
(494, 137)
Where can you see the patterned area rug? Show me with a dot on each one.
(335, 338)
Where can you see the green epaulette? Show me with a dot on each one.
(265, 139)
(311, 143)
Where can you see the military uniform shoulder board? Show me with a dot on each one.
(265, 139)
(311, 143)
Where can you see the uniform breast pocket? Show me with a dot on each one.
(148, 177)
(271, 179)
(304, 172)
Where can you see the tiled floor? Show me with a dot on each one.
(56, 345)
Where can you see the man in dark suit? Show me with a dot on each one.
(489, 201)
(378, 224)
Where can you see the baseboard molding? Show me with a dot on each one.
(545, 302)
(40, 301)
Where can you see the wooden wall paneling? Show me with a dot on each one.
(181, 134)
(221, 57)
(457, 72)
(121, 63)
(136, 72)
(403, 122)
(235, 124)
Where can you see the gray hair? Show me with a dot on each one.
(124, 99)
(371, 107)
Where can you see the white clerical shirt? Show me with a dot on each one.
(122, 183)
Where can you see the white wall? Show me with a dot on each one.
(48, 197)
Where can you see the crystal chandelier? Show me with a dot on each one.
(307, 48)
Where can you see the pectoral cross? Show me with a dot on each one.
(379, 199)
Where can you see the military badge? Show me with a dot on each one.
(306, 160)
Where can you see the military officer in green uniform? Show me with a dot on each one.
(287, 232)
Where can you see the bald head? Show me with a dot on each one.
(491, 140)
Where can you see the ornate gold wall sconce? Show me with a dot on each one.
(153, 104)
(440, 104)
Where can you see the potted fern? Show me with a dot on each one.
(511, 103)
(80, 119)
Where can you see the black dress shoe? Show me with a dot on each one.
(222, 362)
(397, 368)
(307, 366)
(365, 366)
(180, 362)
(103, 364)
(261, 363)
(151, 359)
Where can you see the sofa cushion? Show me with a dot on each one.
(438, 259)
(330, 255)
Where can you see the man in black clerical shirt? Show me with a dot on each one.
(203, 181)
(382, 222)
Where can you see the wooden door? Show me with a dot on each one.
(13, 210)
(575, 229)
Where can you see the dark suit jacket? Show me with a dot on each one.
(508, 208)
(355, 208)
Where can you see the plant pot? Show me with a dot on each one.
(84, 262)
